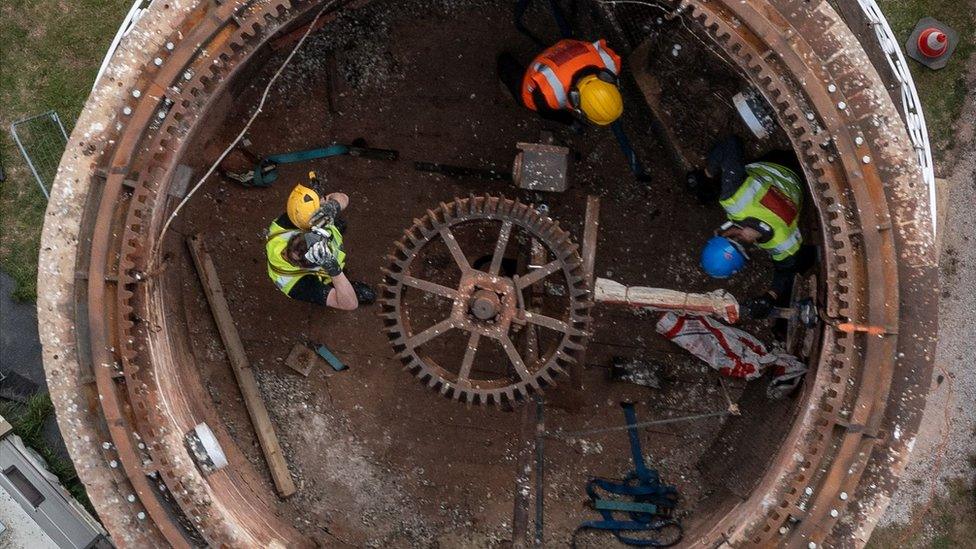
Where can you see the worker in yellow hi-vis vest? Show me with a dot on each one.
(306, 257)
(763, 201)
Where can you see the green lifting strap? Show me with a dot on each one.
(266, 171)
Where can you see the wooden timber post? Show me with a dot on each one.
(207, 273)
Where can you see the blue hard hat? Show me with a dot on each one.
(722, 257)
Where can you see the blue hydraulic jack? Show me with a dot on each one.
(648, 502)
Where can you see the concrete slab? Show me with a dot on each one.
(20, 348)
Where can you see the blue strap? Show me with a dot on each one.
(652, 502)
(636, 453)
(635, 164)
(265, 179)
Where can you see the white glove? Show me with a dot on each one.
(319, 254)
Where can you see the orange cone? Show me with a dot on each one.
(933, 43)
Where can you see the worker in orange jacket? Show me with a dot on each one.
(571, 82)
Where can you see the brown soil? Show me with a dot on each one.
(379, 459)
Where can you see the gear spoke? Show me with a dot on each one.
(428, 286)
(455, 249)
(515, 358)
(441, 327)
(469, 354)
(539, 274)
(496, 259)
(550, 322)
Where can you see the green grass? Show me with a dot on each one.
(28, 421)
(943, 91)
(950, 522)
(49, 54)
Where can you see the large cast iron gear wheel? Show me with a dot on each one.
(487, 304)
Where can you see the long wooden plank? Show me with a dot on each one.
(242, 368)
(661, 121)
(591, 230)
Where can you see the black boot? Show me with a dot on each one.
(365, 294)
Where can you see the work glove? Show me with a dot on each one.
(319, 254)
(758, 307)
(365, 295)
(326, 213)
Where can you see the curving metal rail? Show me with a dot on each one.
(125, 395)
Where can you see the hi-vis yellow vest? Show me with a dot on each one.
(772, 194)
(284, 274)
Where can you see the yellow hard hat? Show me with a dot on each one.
(302, 203)
(599, 101)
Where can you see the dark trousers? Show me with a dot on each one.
(785, 271)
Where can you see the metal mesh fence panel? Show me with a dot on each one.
(41, 140)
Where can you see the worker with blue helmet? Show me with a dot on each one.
(763, 202)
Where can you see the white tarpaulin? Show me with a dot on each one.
(733, 352)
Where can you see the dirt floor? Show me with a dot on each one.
(380, 460)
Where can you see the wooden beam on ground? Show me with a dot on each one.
(207, 273)
(523, 475)
(661, 120)
(591, 231)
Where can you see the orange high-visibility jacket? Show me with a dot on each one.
(553, 70)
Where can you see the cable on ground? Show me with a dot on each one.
(264, 97)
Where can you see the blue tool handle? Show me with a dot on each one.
(333, 361)
(262, 179)
(629, 153)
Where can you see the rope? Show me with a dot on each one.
(576, 434)
(264, 98)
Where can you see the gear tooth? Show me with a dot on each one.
(573, 345)
(400, 264)
(497, 204)
(578, 293)
(566, 358)
(411, 234)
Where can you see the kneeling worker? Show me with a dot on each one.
(570, 82)
(573, 78)
(762, 201)
(306, 257)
